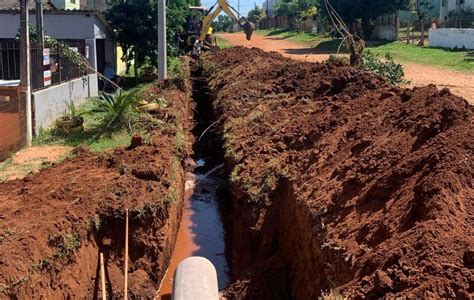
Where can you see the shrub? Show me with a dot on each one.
(117, 108)
(387, 68)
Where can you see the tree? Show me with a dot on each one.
(420, 9)
(135, 23)
(366, 12)
(297, 10)
(256, 14)
(223, 24)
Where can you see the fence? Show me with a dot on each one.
(12, 114)
(61, 68)
(275, 22)
(460, 21)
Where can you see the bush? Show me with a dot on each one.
(117, 108)
(387, 68)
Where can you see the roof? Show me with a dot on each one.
(14, 5)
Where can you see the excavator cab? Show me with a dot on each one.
(193, 29)
(198, 33)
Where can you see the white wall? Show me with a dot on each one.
(50, 103)
(452, 38)
(9, 24)
(59, 26)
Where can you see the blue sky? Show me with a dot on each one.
(245, 5)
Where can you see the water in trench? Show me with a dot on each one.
(201, 232)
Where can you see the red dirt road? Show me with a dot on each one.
(461, 84)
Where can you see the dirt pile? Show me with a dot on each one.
(55, 223)
(342, 182)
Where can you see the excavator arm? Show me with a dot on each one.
(213, 12)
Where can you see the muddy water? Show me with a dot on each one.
(201, 232)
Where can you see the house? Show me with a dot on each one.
(407, 17)
(457, 30)
(84, 30)
(99, 5)
(269, 7)
(65, 4)
(451, 13)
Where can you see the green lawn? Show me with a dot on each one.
(223, 43)
(440, 57)
(293, 36)
(401, 52)
(97, 136)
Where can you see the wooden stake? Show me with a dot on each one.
(102, 276)
(126, 257)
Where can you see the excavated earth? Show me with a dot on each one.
(342, 184)
(54, 224)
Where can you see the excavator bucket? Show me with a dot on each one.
(248, 28)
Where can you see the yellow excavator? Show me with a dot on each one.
(198, 35)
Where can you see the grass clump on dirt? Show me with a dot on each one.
(65, 245)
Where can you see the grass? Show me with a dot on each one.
(294, 36)
(10, 169)
(95, 135)
(438, 57)
(400, 51)
(223, 43)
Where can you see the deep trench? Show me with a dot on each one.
(203, 228)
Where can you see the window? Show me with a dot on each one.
(73, 1)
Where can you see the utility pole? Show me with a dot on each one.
(39, 42)
(25, 82)
(238, 8)
(162, 55)
(39, 22)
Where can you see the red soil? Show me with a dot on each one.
(55, 223)
(342, 182)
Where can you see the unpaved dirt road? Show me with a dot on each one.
(461, 84)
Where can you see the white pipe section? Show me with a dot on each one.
(195, 278)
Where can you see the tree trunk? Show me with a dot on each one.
(422, 37)
(366, 31)
(356, 48)
(408, 34)
(135, 67)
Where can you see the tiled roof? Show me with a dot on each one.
(15, 5)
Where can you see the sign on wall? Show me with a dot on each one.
(46, 70)
(46, 52)
(47, 77)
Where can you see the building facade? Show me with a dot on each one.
(452, 9)
(66, 4)
(269, 7)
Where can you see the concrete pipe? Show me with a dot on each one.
(195, 278)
